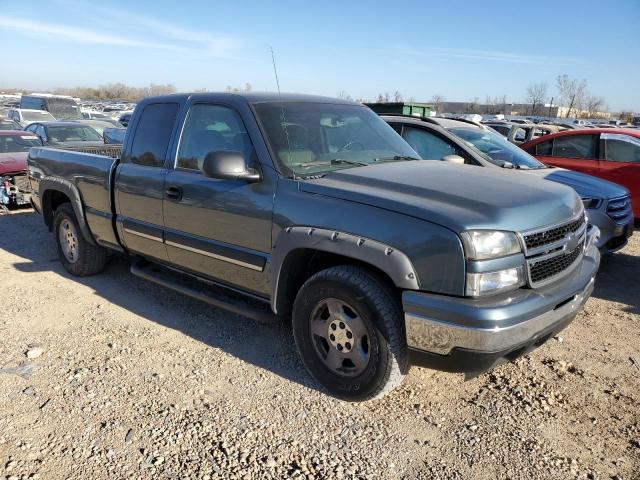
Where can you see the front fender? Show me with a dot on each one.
(384, 257)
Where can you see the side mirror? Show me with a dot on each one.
(229, 165)
(453, 159)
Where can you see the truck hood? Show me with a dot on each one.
(13, 162)
(586, 185)
(459, 197)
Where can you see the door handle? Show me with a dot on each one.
(174, 193)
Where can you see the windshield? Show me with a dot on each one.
(63, 108)
(9, 125)
(18, 143)
(72, 134)
(312, 138)
(37, 116)
(496, 149)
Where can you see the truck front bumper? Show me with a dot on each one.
(473, 335)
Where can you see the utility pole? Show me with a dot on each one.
(550, 107)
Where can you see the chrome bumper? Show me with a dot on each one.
(438, 324)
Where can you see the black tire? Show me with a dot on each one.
(368, 298)
(87, 259)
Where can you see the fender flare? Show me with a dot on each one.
(391, 261)
(71, 191)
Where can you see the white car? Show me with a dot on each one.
(25, 117)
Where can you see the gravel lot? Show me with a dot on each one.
(130, 380)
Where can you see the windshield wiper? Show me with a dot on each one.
(395, 158)
(339, 161)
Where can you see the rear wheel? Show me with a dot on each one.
(78, 256)
(348, 328)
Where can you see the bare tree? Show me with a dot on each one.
(438, 102)
(474, 105)
(247, 87)
(572, 92)
(344, 95)
(536, 95)
(397, 97)
(594, 106)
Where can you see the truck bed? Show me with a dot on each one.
(85, 170)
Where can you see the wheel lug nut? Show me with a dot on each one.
(339, 347)
(332, 337)
(342, 325)
(349, 334)
(333, 326)
(347, 346)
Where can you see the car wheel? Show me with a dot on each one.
(78, 256)
(348, 328)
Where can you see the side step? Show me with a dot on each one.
(217, 295)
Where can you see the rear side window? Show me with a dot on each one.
(428, 145)
(575, 146)
(543, 148)
(32, 103)
(620, 148)
(153, 133)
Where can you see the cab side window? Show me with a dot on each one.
(616, 147)
(543, 148)
(211, 128)
(428, 145)
(575, 146)
(152, 135)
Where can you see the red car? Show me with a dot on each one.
(14, 184)
(609, 153)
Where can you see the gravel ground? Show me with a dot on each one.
(114, 377)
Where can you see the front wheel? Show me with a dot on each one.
(78, 256)
(348, 327)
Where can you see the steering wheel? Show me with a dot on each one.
(349, 144)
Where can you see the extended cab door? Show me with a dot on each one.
(139, 182)
(220, 229)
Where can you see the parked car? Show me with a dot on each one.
(314, 209)
(6, 124)
(114, 135)
(100, 125)
(124, 118)
(438, 138)
(15, 190)
(65, 134)
(61, 107)
(609, 153)
(518, 133)
(94, 115)
(24, 117)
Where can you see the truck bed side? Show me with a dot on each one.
(84, 179)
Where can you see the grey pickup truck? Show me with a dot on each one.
(314, 210)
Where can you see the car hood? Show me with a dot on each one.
(13, 162)
(460, 197)
(586, 185)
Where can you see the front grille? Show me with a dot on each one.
(550, 267)
(619, 208)
(553, 235)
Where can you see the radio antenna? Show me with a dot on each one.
(283, 119)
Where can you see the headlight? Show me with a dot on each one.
(480, 284)
(591, 202)
(485, 244)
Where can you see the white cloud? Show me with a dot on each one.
(76, 34)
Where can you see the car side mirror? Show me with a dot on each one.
(229, 165)
(453, 159)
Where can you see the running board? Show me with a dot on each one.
(213, 294)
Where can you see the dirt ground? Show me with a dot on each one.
(130, 380)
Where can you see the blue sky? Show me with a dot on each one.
(459, 49)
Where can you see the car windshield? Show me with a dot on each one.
(37, 116)
(9, 125)
(497, 149)
(72, 134)
(18, 143)
(314, 138)
(64, 108)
